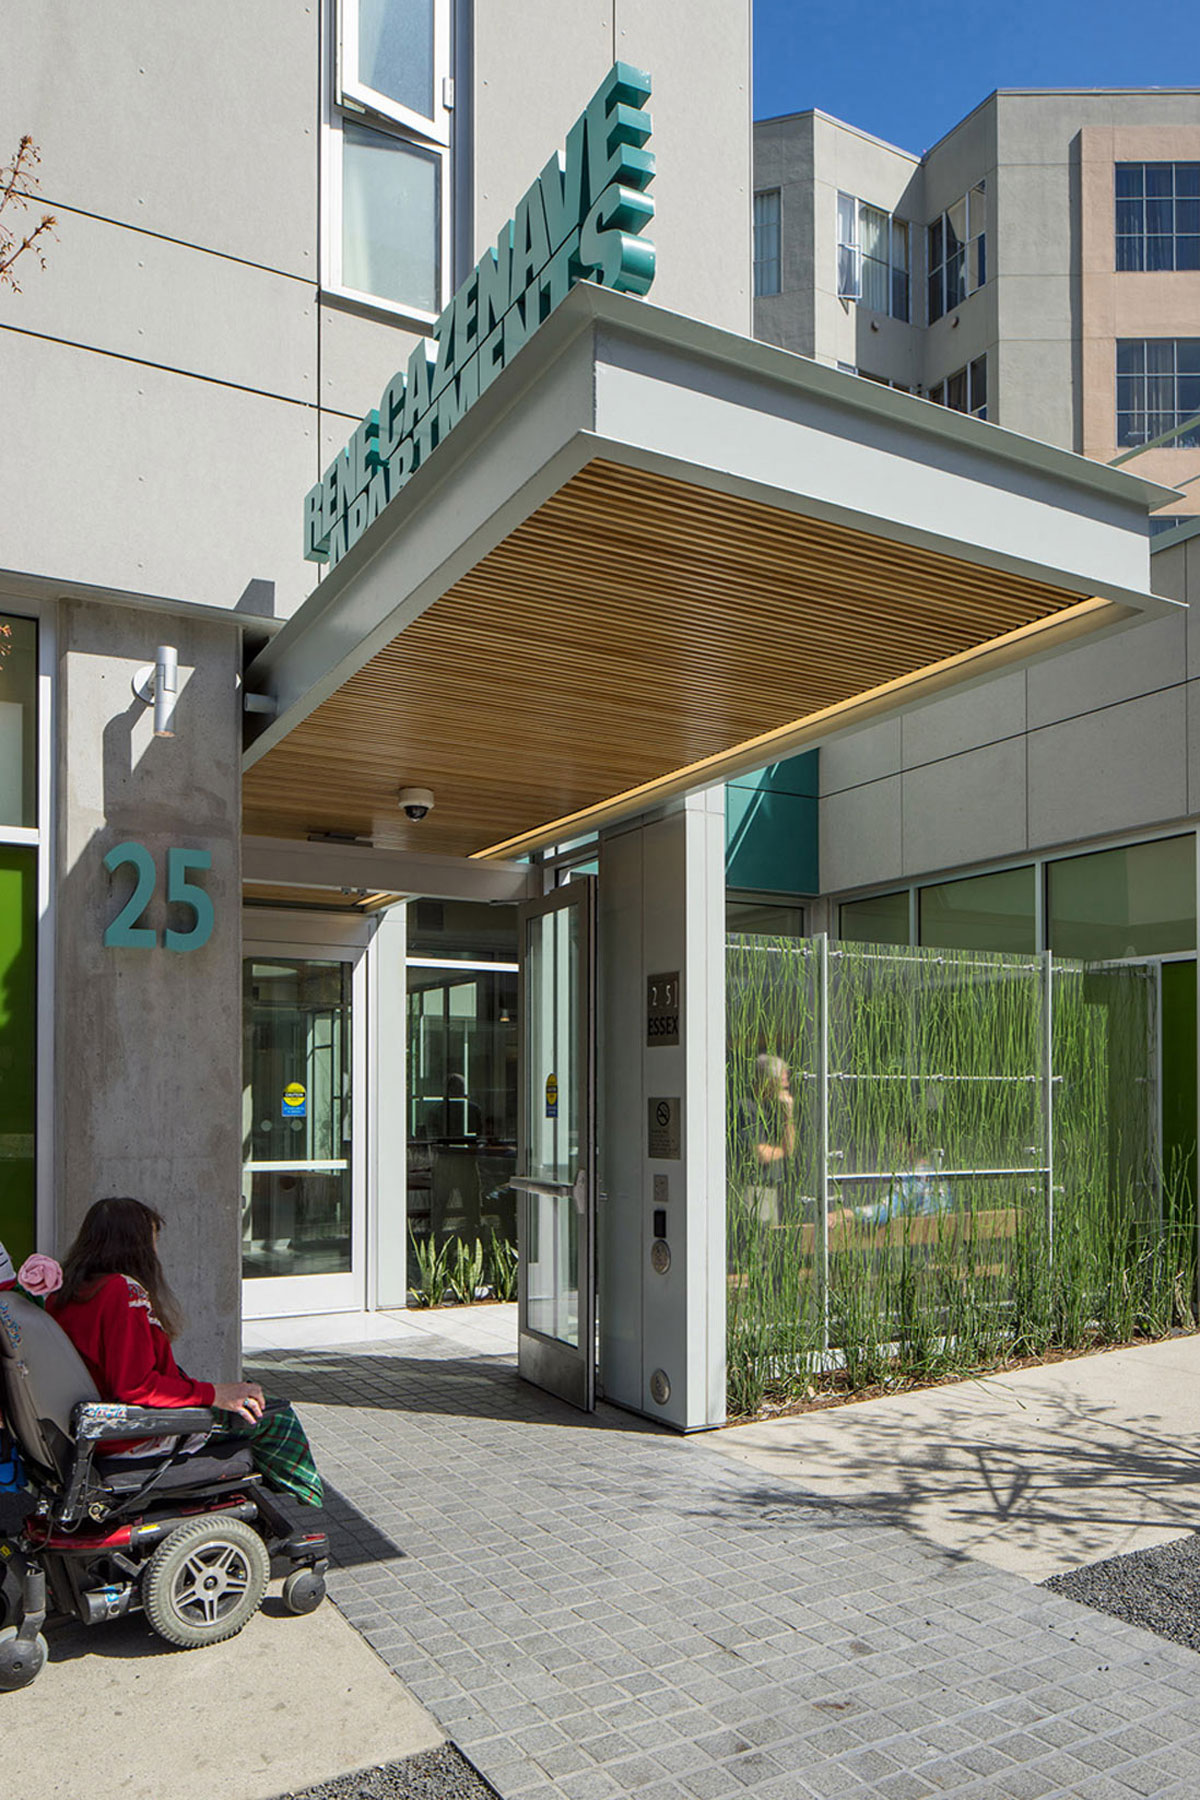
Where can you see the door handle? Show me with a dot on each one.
(555, 1189)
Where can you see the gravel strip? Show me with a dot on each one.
(434, 1775)
(1158, 1589)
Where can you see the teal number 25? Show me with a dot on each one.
(125, 933)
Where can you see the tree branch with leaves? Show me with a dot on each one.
(18, 184)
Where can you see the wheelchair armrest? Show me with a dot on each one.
(95, 1420)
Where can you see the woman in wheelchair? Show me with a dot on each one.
(182, 1526)
(118, 1310)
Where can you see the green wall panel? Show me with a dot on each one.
(18, 1047)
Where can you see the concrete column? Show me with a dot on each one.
(148, 1040)
(662, 1129)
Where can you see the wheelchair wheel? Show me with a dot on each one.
(205, 1581)
(303, 1591)
(20, 1663)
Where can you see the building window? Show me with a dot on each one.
(390, 154)
(873, 257)
(1114, 904)
(1158, 389)
(901, 387)
(965, 391)
(958, 252)
(1158, 215)
(983, 912)
(879, 919)
(767, 267)
(762, 918)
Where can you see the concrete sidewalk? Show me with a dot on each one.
(592, 1608)
(287, 1703)
(1037, 1471)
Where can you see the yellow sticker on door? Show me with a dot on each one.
(552, 1096)
(295, 1101)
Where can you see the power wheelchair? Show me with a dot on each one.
(189, 1539)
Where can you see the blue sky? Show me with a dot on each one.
(907, 70)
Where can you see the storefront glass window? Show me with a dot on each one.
(18, 710)
(462, 1083)
(18, 1047)
(298, 1187)
(984, 912)
(1139, 901)
(763, 919)
(880, 919)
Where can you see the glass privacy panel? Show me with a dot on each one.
(296, 1118)
(18, 721)
(391, 218)
(985, 912)
(462, 1110)
(395, 51)
(18, 1048)
(880, 919)
(1139, 901)
(555, 1100)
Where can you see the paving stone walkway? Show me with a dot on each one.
(591, 1608)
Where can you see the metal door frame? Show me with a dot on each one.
(563, 1369)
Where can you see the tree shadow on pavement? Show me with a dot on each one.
(1078, 1477)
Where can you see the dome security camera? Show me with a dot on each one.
(415, 802)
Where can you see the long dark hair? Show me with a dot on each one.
(117, 1238)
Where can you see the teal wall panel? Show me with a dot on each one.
(771, 828)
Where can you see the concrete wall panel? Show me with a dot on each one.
(860, 835)
(205, 131)
(965, 809)
(359, 356)
(143, 480)
(698, 53)
(1138, 661)
(537, 64)
(1113, 770)
(855, 757)
(975, 716)
(135, 295)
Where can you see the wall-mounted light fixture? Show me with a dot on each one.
(158, 682)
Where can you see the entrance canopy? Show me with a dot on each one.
(654, 555)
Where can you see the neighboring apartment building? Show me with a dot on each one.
(1039, 266)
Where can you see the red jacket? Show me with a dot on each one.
(127, 1352)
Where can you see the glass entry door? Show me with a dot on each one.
(302, 1223)
(556, 1162)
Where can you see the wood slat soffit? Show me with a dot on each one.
(631, 626)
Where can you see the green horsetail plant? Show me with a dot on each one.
(978, 1129)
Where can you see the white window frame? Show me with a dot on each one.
(355, 95)
(854, 289)
(348, 100)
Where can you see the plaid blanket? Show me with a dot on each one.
(280, 1450)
